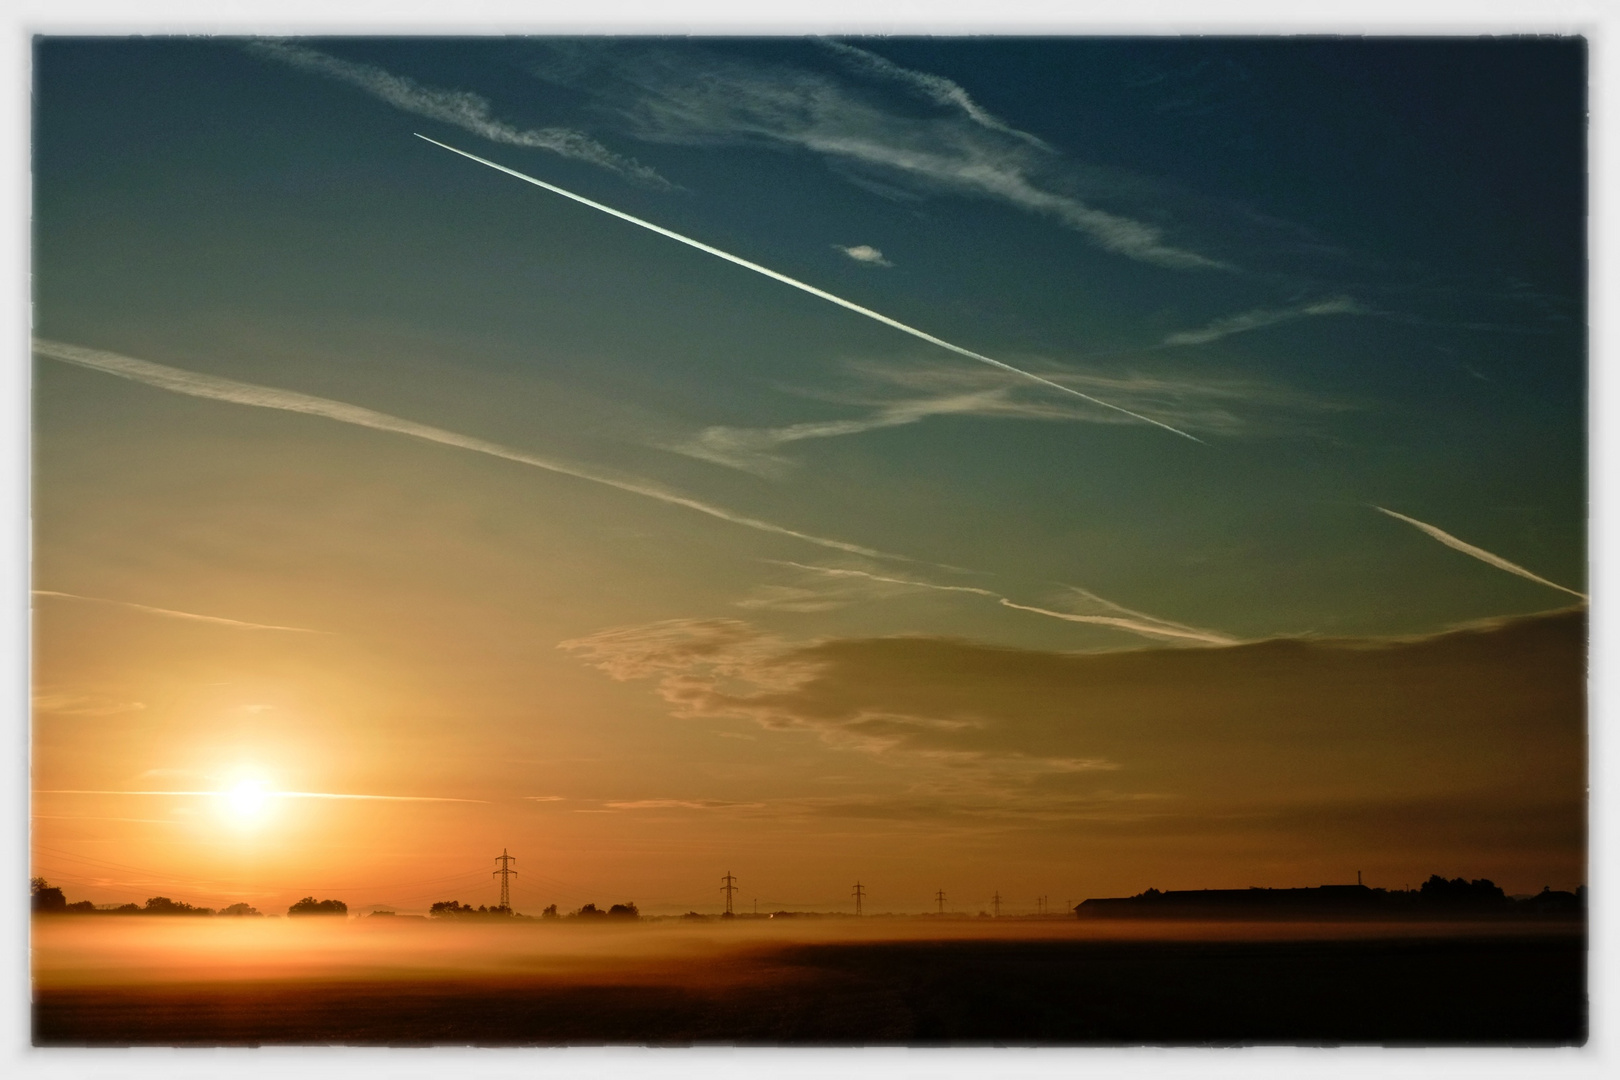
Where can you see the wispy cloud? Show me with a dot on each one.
(936, 88)
(1261, 317)
(865, 253)
(1479, 553)
(464, 109)
(811, 289)
(215, 620)
(213, 387)
(682, 804)
(69, 704)
(1086, 606)
(693, 98)
(1059, 730)
(1203, 403)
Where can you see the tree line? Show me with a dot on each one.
(48, 899)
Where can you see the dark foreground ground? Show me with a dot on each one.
(1435, 992)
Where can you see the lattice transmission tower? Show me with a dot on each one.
(505, 873)
(728, 885)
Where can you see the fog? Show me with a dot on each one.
(127, 951)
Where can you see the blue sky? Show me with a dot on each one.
(1352, 271)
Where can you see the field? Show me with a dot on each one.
(913, 982)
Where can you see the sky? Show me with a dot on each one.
(1049, 467)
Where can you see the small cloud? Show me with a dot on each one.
(546, 798)
(865, 253)
(1262, 317)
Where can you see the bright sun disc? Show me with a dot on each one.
(247, 799)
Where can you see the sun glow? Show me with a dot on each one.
(247, 801)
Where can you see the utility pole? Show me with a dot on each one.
(505, 873)
(860, 893)
(995, 903)
(940, 896)
(728, 885)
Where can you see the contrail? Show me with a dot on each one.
(811, 289)
(1479, 553)
(1153, 630)
(216, 388)
(268, 795)
(1145, 624)
(218, 620)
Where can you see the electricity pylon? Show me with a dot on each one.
(940, 896)
(728, 885)
(860, 891)
(995, 903)
(505, 873)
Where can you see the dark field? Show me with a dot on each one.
(1399, 990)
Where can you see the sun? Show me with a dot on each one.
(247, 801)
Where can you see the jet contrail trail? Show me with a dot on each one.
(216, 619)
(196, 384)
(1144, 624)
(1133, 625)
(1479, 553)
(267, 795)
(811, 289)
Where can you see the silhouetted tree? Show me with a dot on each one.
(127, 909)
(311, 906)
(589, 911)
(162, 905)
(80, 907)
(550, 912)
(448, 908)
(241, 909)
(1481, 892)
(45, 898)
(626, 910)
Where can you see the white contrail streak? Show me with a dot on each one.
(811, 289)
(268, 795)
(1133, 625)
(1479, 553)
(215, 619)
(1143, 623)
(216, 388)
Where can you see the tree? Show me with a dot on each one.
(242, 909)
(450, 908)
(80, 907)
(45, 898)
(1481, 892)
(311, 906)
(626, 910)
(589, 911)
(550, 912)
(162, 905)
